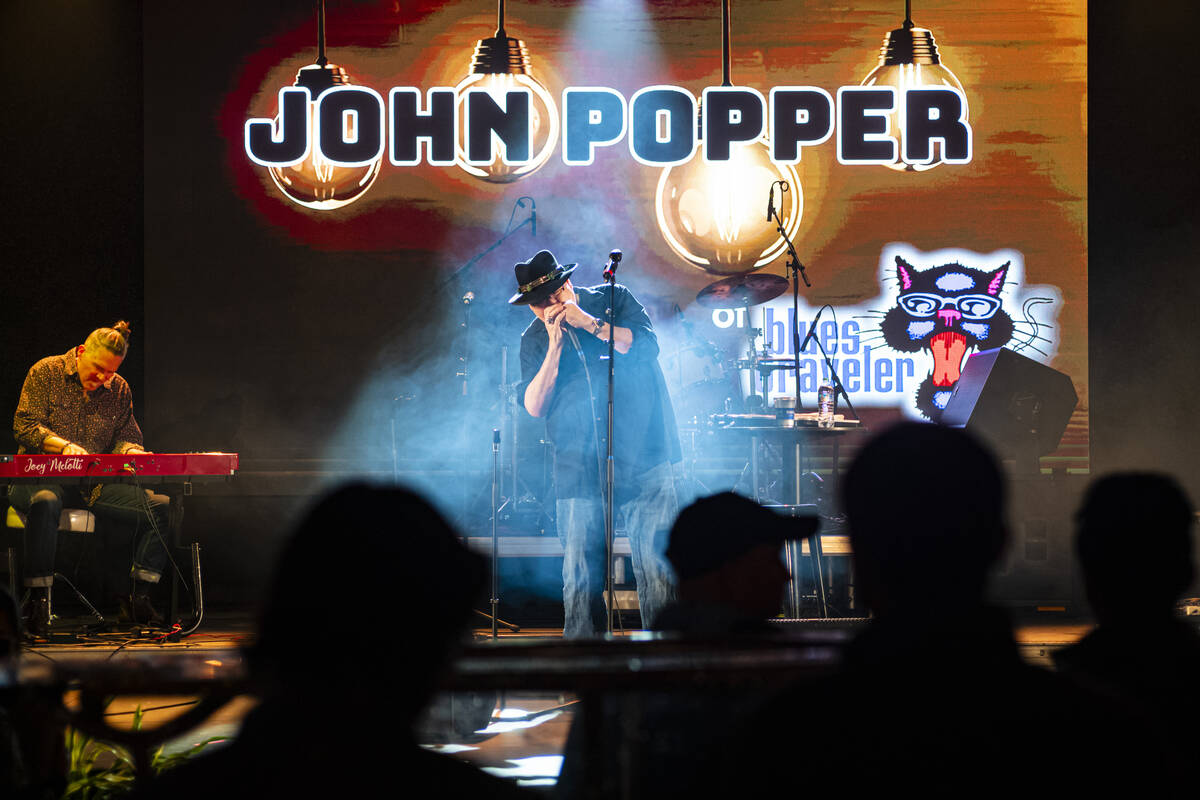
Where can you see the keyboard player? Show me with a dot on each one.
(75, 404)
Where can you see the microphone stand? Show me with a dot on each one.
(610, 277)
(495, 533)
(838, 389)
(466, 300)
(795, 271)
(503, 237)
(494, 600)
(465, 326)
(464, 360)
(463, 356)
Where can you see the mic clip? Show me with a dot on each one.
(610, 269)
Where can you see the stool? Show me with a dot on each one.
(72, 520)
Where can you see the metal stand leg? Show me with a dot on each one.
(11, 556)
(792, 557)
(495, 599)
(82, 598)
(754, 482)
(175, 538)
(795, 553)
(174, 535)
(197, 584)
(814, 541)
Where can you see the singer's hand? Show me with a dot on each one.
(576, 317)
(73, 449)
(553, 320)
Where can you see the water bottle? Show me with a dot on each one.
(825, 405)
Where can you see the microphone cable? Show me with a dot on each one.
(601, 471)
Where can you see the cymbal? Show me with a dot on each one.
(742, 290)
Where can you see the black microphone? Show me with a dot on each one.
(812, 331)
(771, 202)
(532, 213)
(610, 269)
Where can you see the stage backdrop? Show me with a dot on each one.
(321, 342)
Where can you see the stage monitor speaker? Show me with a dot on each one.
(1021, 407)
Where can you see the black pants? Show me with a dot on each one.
(117, 504)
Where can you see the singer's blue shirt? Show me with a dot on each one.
(645, 433)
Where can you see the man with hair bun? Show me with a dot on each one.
(75, 404)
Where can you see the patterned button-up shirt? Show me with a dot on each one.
(54, 403)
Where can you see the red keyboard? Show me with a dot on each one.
(151, 466)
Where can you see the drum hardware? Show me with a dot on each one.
(742, 291)
(700, 382)
(778, 419)
(689, 486)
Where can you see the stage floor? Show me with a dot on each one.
(523, 741)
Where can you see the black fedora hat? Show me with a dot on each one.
(539, 277)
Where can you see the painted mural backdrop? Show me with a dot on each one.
(923, 262)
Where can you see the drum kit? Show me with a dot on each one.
(707, 388)
(709, 401)
(706, 384)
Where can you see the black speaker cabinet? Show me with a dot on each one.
(1021, 407)
(1038, 566)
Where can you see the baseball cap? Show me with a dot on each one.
(715, 530)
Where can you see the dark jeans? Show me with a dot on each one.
(648, 517)
(118, 504)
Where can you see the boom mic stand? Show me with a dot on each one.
(610, 277)
(797, 272)
(838, 389)
(466, 300)
(469, 297)
(531, 221)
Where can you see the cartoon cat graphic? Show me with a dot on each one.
(948, 311)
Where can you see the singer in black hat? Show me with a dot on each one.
(564, 379)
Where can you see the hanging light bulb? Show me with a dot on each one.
(500, 64)
(314, 182)
(909, 60)
(710, 213)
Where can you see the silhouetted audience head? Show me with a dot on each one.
(1134, 540)
(925, 506)
(372, 590)
(725, 550)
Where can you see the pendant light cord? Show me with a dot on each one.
(321, 59)
(725, 57)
